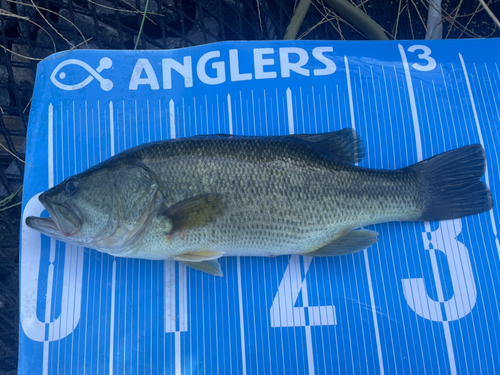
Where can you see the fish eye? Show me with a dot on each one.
(71, 186)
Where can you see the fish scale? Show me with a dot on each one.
(297, 198)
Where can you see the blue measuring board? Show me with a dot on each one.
(424, 299)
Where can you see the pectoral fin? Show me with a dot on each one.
(349, 243)
(193, 212)
(211, 267)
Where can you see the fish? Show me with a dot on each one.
(196, 199)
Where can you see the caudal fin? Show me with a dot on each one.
(451, 186)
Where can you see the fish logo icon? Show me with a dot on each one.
(105, 63)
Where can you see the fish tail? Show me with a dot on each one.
(450, 186)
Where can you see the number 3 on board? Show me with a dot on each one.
(426, 55)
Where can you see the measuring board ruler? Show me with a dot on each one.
(424, 299)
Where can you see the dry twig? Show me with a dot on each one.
(17, 157)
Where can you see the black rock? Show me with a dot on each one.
(208, 32)
(13, 122)
(104, 7)
(23, 73)
(48, 42)
(7, 22)
(4, 98)
(4, 94)
(26, 9)
(87, 25)
(4, 74)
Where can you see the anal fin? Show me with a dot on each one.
(211, 267)
(205, 261)
(349, 243)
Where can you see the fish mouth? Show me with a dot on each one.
(63, 222)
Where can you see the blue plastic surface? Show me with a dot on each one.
(422, 300)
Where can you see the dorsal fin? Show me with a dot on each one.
(345, 146)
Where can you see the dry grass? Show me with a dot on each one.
(137, 11)
(454, 19)
(13, 15)
(17, 157)
(4, 202)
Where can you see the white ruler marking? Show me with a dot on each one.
(112, 128)
(367, 264)
(170, 283)
(171, 110)
(289, 107)
(480, 134)
(238, 266)
(113, 276)
(242, 322)
(52, 256)
(178, 353)
(230, 113)
(112, 319)
(432, 254)
(349, 90)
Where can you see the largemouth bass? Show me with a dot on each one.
(196, 199)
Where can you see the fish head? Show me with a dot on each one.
(83, 209)
(106, 208)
